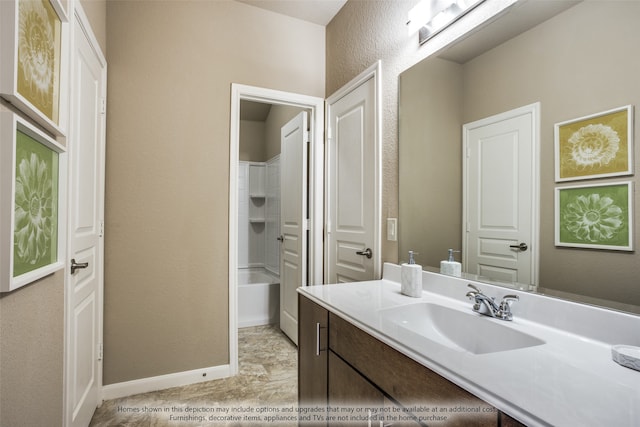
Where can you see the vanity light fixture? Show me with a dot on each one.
(429, 17)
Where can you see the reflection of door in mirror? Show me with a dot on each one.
(499, 192)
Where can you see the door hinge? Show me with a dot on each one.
(101, 229)
(306, 136)
(103, 106)
(328, 132)
(100, 354)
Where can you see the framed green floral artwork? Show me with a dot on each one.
(33, 68)
(595, 146)
(598, 216)
(30, 187)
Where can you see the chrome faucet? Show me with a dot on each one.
(487, 305)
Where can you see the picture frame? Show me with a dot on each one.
(32, 193)
(595, 146)
(596, 216)
(34, 67)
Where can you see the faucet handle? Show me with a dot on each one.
(507, 299)
(505, 306)
(472, 294)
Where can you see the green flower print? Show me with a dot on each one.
(33, 210)
(593, 218)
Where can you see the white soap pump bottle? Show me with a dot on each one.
(451, 266)
(411, 278)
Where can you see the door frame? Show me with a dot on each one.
(373, 72)
(534, 111)
(241, 92)
(80, 17)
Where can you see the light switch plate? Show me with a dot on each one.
(392, 229)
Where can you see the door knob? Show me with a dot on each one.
(77, 265)
(280, 238)
(522, 247)
(367, 252)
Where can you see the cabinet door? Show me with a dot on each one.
(405, 380)
(354, 400)
(312, 353)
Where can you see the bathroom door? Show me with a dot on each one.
(352, 180)
(500, 196)
(294, 141)
(85, 228)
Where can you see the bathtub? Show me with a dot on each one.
(258, 297)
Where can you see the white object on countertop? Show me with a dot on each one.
(451, 267)
(627, 356)
(411, 278)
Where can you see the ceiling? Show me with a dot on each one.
(319, 12)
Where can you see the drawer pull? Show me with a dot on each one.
(318, 349)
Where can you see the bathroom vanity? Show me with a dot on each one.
(371, 354)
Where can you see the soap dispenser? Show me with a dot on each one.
(451, 266)
(411, 278)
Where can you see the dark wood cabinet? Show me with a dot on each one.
(343, 366)
(313, 322)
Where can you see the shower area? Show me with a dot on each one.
(258, 247)
(259, 198)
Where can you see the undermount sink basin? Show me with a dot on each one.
(457, 329)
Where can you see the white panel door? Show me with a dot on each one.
(293, 220)
(351, 186)
(500, 196)
(86, 213)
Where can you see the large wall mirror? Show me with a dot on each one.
(574, 59)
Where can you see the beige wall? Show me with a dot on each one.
(32, 329)
(96, 11)
(252, 141)
(171, 65)
(366, 31)
(278, 117)
(430, 174)
(31, 354)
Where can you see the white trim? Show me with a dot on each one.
(373, 72)
(316, 197)
(161, 382)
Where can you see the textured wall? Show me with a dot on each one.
(31, 354)
(171, 65)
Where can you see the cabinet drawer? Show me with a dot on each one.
(405, 380)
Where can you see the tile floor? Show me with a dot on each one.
(267, 384)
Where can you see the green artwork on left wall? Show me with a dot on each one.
(35, 239)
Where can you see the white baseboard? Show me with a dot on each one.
(161, 382)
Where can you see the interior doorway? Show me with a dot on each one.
(255, 98)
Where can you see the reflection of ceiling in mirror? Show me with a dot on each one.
(516, 20)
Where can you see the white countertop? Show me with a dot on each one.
(571, 380)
